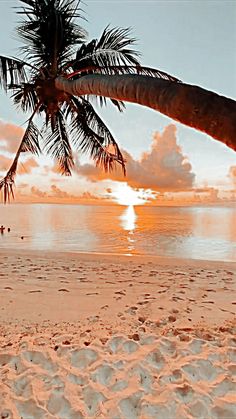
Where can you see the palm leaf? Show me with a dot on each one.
(50, 31)
(11, 72)
(91, 143)
(90, 135)
(110, 50)
(110, 55)
(127, 69)
(57, 144)
(119, 104)
(25, 96)
(29, 143)
(102, 101)
(146, 71)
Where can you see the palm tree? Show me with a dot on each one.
(60, 72)
(54, 46)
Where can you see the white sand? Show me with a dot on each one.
(85, 336)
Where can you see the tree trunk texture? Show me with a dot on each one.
(193, 106)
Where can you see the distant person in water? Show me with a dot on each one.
(2, 228)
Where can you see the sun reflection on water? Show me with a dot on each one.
(128, 219)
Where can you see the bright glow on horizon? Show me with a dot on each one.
(123, 194)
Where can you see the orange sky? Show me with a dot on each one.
(163, 169)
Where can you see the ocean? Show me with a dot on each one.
(207, 233)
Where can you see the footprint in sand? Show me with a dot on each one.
(208, 302)
(142, 302)
(6, 413)
(163, 291)
(120, 292)
(33, 291)
(172, 318)
(175, 298)
(132, 310)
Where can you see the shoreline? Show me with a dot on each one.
(162, 260)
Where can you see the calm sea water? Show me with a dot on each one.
(183, 232)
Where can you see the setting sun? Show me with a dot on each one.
(123, 194)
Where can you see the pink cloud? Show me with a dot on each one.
(232, 174)
(163, 167)
(10, 136)
(23, 167)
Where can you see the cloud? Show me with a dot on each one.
(232, 174)
(27, 166)
(5, 163)
(22, 185)
(37, 192)
(23, 167)
(59, 193)
(11, 135)
(88, 195)
(163, 167)
(55, 194)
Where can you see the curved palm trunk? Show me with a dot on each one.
(191, 105)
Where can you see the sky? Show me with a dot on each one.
(192, 40)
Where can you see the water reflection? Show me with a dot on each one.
(128, 219)
(199, 233)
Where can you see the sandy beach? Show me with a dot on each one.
(88, 335)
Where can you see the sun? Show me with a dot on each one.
(123, 194)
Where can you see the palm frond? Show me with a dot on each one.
(110, 55)
(57, 144)
(29, 2)
(90, 135)
(110, 50)
(7, 186)
(12, 72)
(25, 96)
(119, 104)
(127, 69)
(29, 143)
(50, 31)
(102, 101)
(145, 71)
